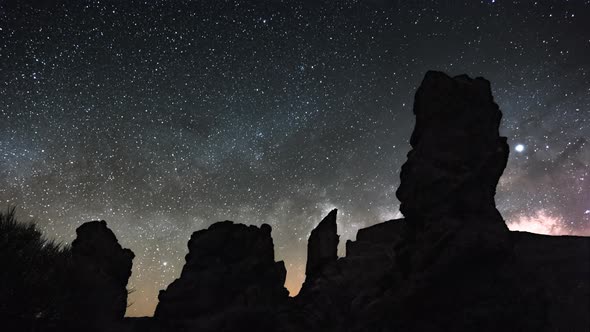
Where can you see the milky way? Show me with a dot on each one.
(162, 117)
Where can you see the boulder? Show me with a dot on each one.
(230, 268)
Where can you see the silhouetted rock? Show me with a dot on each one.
(371, 240)
(339, 297)
(322, 247)
(230, 269)
(449, 265)
(454, 260)
(457, 154)
(102, 269)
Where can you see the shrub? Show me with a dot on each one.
(34, 272)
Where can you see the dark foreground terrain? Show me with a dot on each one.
(450, 265)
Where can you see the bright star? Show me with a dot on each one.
(519, 148)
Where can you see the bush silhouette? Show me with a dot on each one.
(34, 273)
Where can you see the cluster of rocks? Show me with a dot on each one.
(450, 265)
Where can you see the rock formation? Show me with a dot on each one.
(230, 269)
(449, 259)
(101, 271)
(457, 154)
(448, 182)
(450, 265)
(322, 247)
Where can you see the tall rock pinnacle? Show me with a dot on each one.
(457, 154)
(102, 269)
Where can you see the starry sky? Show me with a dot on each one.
(163, 117)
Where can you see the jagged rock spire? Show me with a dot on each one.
(322, 248)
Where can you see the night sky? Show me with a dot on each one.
(163, 117)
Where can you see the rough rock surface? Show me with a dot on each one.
(230, 269)
(457, 154)
(561, 264)
(377, 239)
(322, 246)
(347, 290)
(101, 268)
